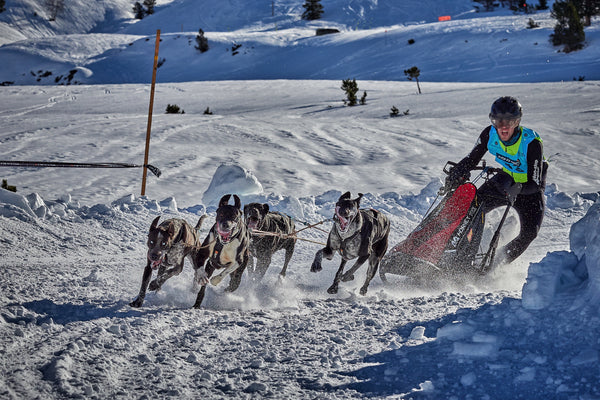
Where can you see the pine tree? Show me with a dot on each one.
(569, 29)
(351, 88)
(150, 6)
(138, 10)
(587, 9)
(2, 3)
(201, 41)
(313, 10)
(413, 73)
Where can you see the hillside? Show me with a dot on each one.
(374, 43)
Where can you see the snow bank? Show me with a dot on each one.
(231, 178)
(564, 272)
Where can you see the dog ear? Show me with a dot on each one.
(224, 200)
(154, 223)
(265, 208)
(171, 230)
(237, 201)
(357, 200)
(345, 196)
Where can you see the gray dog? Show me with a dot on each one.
(168, 245)
(259, 218)
(225, 248)
(355, 233)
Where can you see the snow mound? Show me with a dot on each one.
(231, 178)
(567, 273)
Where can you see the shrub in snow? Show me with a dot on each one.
(350, 87)
(201, 42)
(174, 109)
(312, 10)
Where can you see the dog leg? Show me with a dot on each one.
(200, 297)
(373, 265)
(215, 280)
(326, 252)
(333, 289)
(262, 264)
(289, 251)
(349, 275)
(236, 276)
(145, 279)
(162, 278)
(206, 272)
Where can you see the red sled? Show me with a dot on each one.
(447, 241)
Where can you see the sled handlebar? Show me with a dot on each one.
(483, 167)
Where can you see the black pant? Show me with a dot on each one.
(529, 207)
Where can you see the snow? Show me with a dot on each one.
(72, 247)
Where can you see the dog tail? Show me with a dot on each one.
(199, 223)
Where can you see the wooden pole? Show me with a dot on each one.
(148, 129)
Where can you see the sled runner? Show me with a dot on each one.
(447, 241)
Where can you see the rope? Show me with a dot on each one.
(294, 236)
(46, 164)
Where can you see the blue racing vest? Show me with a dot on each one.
(513, 158)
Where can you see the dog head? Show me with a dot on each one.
(160, 240)
(254, 214)
(346, 210)
(229, 218)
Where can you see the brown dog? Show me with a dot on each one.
(355, 233)
(168, 245)
(259, 218)
(225, 247)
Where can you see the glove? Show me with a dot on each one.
(507, 186)
(456, 177)
(512, 192)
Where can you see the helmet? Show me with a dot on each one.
(506, 107)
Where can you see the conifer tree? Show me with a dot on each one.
(569, 29)
(2, 3)
(201, 41)
(313, 10)
(351, 88)
(413, 73)
(149, 6)
(138, 10)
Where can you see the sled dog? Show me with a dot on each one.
(169, 244)
(225, 247)
(355, 233)
(259, 218)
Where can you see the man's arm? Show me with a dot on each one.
(536, 178)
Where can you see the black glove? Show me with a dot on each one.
(507, 186)
(456, 177)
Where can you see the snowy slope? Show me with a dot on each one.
(274, 43)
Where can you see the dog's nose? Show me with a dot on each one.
(154, 256)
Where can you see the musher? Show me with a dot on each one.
(519, 150)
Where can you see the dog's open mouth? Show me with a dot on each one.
(154, 264)
(225, 235)
(344, 223)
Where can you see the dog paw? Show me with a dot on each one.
(136, 303)
(315, 267)
(200, 277)
(333, 289)
(363, 290)
(215, 280)
(346, 278)
(153, 286)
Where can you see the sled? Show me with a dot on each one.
(447, 241)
